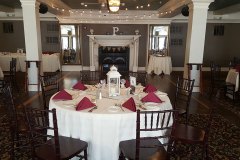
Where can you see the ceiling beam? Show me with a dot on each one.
(6, 9)
(57, 7)
(227, 10)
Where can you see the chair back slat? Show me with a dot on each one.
(49, 85)
(184, 88)
(165, 122)
(91, 77)
(43, 125)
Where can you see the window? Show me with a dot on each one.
(52, 40)
(176, 42)
(158, 38)
(176, 29)
(7, 27)
(218, 30)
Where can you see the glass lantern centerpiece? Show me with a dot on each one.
(113, 80)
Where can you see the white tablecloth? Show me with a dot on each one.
(103, 129)
(50, 63)
(159, 65)
(233, 77)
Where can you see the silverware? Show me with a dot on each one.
(121, 108)
(92, 109)
(140, 106)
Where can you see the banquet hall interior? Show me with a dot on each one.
(119, 79)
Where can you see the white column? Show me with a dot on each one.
(91, 50)
(31, 21)
(135, 62)
(198, 10)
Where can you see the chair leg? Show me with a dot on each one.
(121, 156)
(85, 154)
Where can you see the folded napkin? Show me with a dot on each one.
(62, 95)
(149, 88)
(130, 104)
(151, 97)
(85, 103)
(127, 84)
(79, 86)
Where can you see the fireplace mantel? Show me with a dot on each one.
(114, 40)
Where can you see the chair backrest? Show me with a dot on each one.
(90, 77)
(160, 123)
(49, 86)
(2, 83)
(43, 126)
(141, 77)
(8, 103)
(13, 66)
(183, 93)
(215, 72)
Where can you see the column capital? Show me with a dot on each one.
(30, 2)
(199, 4)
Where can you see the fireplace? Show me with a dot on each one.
(129, 41)
(111, 55)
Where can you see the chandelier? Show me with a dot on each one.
(113, 5)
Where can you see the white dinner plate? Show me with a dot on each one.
(161, 93)
(114, 109)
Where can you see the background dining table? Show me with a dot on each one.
(106, 126)
(159, 64)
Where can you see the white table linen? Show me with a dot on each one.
(50, 63)
(233, 77)
(159, 65)
(102, 129)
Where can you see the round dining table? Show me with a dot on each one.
(105, 126)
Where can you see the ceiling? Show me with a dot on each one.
(129, 4)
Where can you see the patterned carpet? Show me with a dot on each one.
(224, 140)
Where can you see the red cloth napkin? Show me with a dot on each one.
(130, 104)
(79, 86)
(85, 103)
(149, 88)
(62, 95)
(151, 97)
(127, 84)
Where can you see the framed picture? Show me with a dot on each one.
(132, 81)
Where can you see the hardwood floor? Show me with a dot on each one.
(199, 103)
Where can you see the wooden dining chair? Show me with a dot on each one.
(11, 76)
(161, 124)
(186, 134)
(183, 96)
(16, 120)
(46, 143)
(49, 86)
(91, 77)
(141, 77)
(219, 83)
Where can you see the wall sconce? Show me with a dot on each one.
(113, 5)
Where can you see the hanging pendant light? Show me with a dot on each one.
(113, 5)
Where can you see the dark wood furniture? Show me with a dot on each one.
(219, 83)
(45, 140)
(145, 147)
(91, 77)
(198, 66)
(49, 86)
(183, 96)
(141, 77)
(17, 123)
(11, 76)
(193, 135)
(38, 65)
